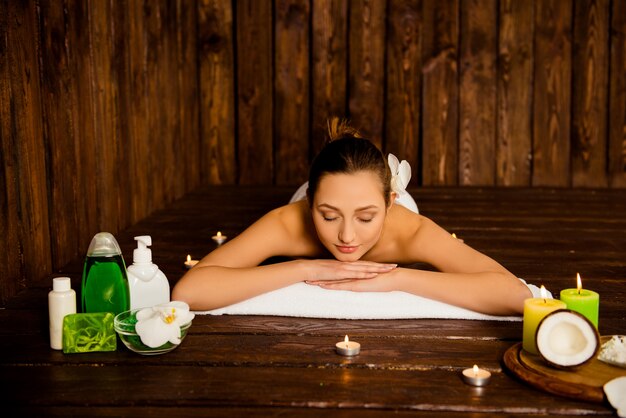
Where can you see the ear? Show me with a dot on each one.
(392, 199)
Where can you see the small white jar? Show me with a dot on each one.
(61, 302)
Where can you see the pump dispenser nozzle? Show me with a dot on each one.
(142, 253)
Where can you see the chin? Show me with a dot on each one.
(347, 257)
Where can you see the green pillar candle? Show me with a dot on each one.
(583, 301)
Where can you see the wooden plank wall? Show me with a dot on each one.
(99, 124)
(477, 92)
(111, 109)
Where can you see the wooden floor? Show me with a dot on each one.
(276, 366)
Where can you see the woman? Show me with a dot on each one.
(349, 235)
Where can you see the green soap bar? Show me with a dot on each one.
(89, 332)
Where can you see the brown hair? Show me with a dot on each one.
(348, 152)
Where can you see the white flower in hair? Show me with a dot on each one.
(400, 173)
(400, 177)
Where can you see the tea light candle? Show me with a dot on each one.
(586, 302)
(347, 347)
(476, 376)
(190, 263)
(535, 309)
(219, 238)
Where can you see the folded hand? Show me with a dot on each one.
(323, 271)
(381, 283)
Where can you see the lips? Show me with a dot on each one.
(346, 249)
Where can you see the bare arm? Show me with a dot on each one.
(494, 293)
(468, 278)
(231, 273)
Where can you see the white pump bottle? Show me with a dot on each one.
(148, 285)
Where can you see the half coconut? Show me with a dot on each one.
(566, 339)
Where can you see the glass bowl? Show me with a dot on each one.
(124, 324)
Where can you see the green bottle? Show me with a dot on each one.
(105, 285)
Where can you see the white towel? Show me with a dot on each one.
(303, 300)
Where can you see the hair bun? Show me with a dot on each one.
(340, 128)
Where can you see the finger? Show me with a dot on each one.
(318, 282)
(369, 268)
(358, 275)
(321, 282)
(350, 273)
(374, 264)
(352, 285)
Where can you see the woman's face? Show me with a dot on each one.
(349, 212)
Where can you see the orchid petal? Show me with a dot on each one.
(404, 174)
(144, 314)
(178, 310)
(154, 332)
(393, 162)
(400, 174)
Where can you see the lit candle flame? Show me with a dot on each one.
(579, 283)
(475, 368)
(544, 293)
(219, 234)
(453, 235)
(188, 258)
(346, 340)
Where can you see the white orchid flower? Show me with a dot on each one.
(400, 177)
(161, 323)
(400, 174)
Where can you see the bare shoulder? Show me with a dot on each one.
(423, 240)
(291, 218)
(298, 227)
(290, 230)
(410, 237)
(401, 227)
(283, 231)
(417, 235)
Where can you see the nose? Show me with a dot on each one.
(346, 233)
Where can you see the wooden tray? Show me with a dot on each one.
(584, 383)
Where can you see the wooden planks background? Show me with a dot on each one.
(109, 110)
(480, 92)
(99, 124)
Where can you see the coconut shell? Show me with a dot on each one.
(585, 320)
